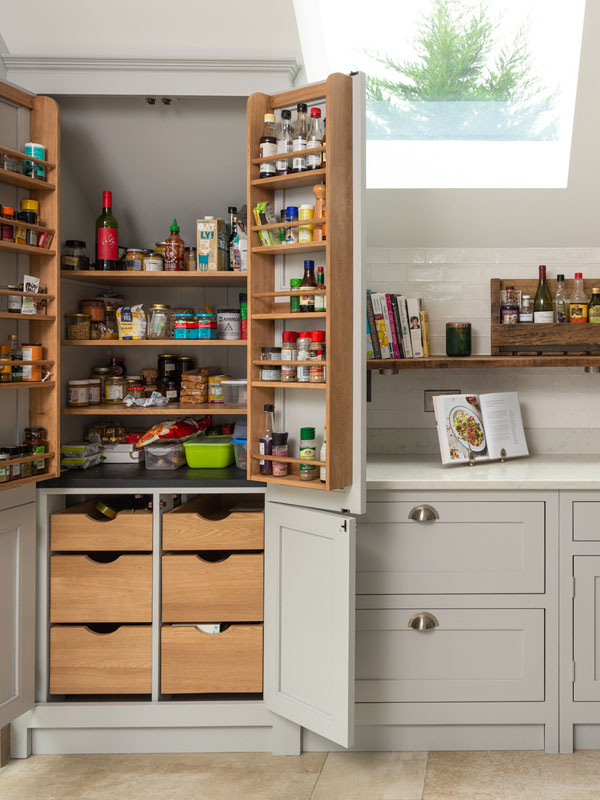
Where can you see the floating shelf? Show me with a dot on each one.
(288, 156)
(484, 362)
(298, 179)
(292, 315)
(25, 249)
(27, 385)
(226, 279)
(189, 409)
(290, 384)
(289, 480)
(153, 342)
(277, 249)
(28, 317)
(25, 182)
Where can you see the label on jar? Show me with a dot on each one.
(153, 264)
(168, 366)
(113, 392)
(594, 314)
(546, 316)
(288, 354)
(108, 244)
(510, 317)
(78, 395)
(303, 374)
(282, 147)
(314, 161)
(270, 374)
(307, 453)
(14, 303)
(578, 312)
(41, 464)
(69, 261)
(171, 394)
(267, 149)
(94, 393)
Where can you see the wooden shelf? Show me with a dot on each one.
(287, 460)
(289, 480)
(295, 181)
(43, 362)
(286, 384)
(26, 294)
(28, 385)
(127, 278)
(187, 409)
(153, 342)
(29, 226)
(288, 363)
(292, 315)
(25, 459)
(291, 293)
(484, 362)
(25, 249)
(25, 182)
(277, 249)
(28, 317)
(33, 479)
(288, 156)
(25, 157)
(296, 224)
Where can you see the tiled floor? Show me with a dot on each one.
(312, 776)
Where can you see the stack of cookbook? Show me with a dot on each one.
(397, 327)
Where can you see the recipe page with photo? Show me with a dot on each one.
(503, 424)
(460, 428)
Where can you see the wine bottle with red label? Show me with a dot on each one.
(107, 236)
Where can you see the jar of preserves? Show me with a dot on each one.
(36, 437)
(73, 256)
(153, 262)
(6, 229)
(184, 364)
(170, 390)
(111, 326)
(78, 393)
(114, 390)
(206, 325)
(101, 373)
(184, 326)
(14, 301)
(133, 259)
(95, 309)
(189, 259)
(159, 249)
(97, 330)
(78, 326)
(159, 322)
(94, 386)
(136, 392)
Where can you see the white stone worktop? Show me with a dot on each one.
(412, 472)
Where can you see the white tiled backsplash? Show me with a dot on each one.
(561, 407)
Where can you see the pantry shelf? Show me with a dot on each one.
(28, 385)
(226, 279)
(43, 362)
(153, 342)
(28, 317)
(293, 181)
(289, 480)
(25, 249)
(210, 409)
(292, 315)
(484, 362)
(290, 384)
(288, 156)
(288, 249)
(24, 181)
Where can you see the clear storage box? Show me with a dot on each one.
(164, 455)
(235, 392)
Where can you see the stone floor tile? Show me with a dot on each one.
(372, 776)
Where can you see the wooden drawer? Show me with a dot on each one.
(74, 529)
(473, 548)
(586, 521)
(474, 655)
(197, 662)
(195, 590)
(85, 662)
(84, 590)
(208, 523)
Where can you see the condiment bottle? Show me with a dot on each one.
(268, 146)
(561, 301)
(594, 308)
(578, 304)
(320, 299)
(526, 314)
(295, 284)
(509, 310)
(308, 452)
(284, 142)
(174, 250)
(280, 448)
(309, 281)
(266, 441)
(316, 133)
(299, 140)
(319, 191)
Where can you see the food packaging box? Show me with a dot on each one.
(80, 449)
(122, 454)
(211, 244)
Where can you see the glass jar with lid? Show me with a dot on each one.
(111, 326)
(159, 322)
(102, 373)
(37, 438)
(73, 256)
(78, 326)
(114, 390)
(134, 258)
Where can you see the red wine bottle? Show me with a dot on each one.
(107, 236)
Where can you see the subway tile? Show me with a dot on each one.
(407, 255)
(516, 255)
(424, 272)
(444, 255)
(561, 255)
(481, 254)
(388, 272)
(586, 255)
(456, 273)
(378, 255)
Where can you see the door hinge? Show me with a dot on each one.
(572, 672)
(573, 587)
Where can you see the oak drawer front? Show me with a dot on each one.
(195, 590)
(84, 590)
(197, 662)
(206, 523)
(473, 548)
(473, 655)
(85, 662)
(586, 521)
(74, 529)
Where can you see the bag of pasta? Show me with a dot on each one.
(132, 322)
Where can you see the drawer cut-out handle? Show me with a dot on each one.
(423, 513)
(423, 621)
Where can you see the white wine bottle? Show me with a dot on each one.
(543, 307)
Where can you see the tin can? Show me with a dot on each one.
(215, 390)
(305, 232)
(31, 168)
(228, 323)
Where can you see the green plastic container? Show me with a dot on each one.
(206, 454)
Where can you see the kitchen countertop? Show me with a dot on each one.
(408, 472)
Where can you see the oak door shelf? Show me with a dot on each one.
(288, 460)
(26, 459)
(24, 181)
(291, 293)
(41, 295)
(290, 384)
(28, 317)
(277, 249)
(28, 385)
(296, 180)
(289, 480)
(298, 223)
(288, 363)
(24, 157)
(288, 156)
(25, 249)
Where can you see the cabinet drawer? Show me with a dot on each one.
(84, 590)
(473, 548)
(195, 590)
(586, 521)
(210, 522)
(197, 662)
(74, 529)
(85, 662)
(474, 655)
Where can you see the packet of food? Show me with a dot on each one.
(30, 284)
(264, 214)
(174, 430)
(132, 322)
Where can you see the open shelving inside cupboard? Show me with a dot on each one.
(25, 117)
(269, 272)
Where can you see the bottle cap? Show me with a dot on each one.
(315, 112)
(279, 439)
(595, 290)
(7, 211)
(304, 334)
(309, 264)
(232, 210)
(578, 275)
(106, 199)
(302, 107)
(289, 336)
(174, 227)
(295, 283)
(286, 114)
(320, 269)
(269, 407)
(291, 211)
(30, 205)
(560, 277)
(542, 270)
(307, 433)
(269, 118)
(317, 336)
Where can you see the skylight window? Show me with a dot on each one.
(459, 94)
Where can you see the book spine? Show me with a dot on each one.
(408, 351)
(369, 341)
(424, 315)
(397, 325)
(413, 308)
(372, 326)
(388, 327)
(390, 313)
(380, 325)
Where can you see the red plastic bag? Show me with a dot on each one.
(175, 430)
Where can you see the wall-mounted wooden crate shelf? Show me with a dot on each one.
(154, 342)
(483, 362)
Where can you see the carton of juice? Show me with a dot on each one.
(210, 244)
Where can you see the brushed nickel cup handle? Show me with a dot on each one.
(423, 513)
(424, 621)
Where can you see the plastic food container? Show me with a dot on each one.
(240, 447)
(166, 455)
(207, 454)
(235, 392)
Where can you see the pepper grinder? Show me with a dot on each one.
(319, 190)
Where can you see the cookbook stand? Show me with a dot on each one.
(503, 457)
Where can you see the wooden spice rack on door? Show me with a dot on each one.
(44, 127)
(265, 313)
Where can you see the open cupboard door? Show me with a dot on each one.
(309, 619)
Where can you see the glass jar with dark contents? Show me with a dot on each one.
(458, 339)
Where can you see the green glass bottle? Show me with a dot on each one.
(107, 236)
(543, 306)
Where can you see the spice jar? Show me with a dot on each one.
(270, 353)
(73, 256)
(303, 354)
(295, 284)
(279, 448)
(78, 393)
(317, 353)
(308, 452)
(133, 259)
(26, 468)
(4, 468)
(95, 309)
(111, 326)
(271, 373)
(36, 437)
(94, 386)
(30, 213)
(78, 326)
(159, 322)
(289, 353)
(7, 230)
(458, 339)
(14, 301)
(114, 390)
(14, 469)
(291, 234)
(189, 259)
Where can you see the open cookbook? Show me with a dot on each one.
(484, 427)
